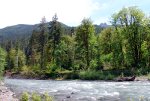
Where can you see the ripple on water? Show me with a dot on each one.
(115, 94)
(121, 86)
(84, 90)
(86, 98)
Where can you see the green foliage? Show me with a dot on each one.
(109, 77)
(52, 67)
(33, 54)
(54, 39)
(141, 98)
(93, 64)
(86, 41)
(96, 75)
(16, 61)
(104, 40)
(67, 52)
(25, 97)
(89, 75)
(123, 47)
(31, 72)
(36, 97)
(2, 60)
(104, 44)
(47, 97)
(131, 21)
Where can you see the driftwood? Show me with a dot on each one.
(121, 79)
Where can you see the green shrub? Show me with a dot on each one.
(51, 67)
(31, 71)
(109, 77)
(47, 97)
(89, 75)
(25, 96)
(69, 74)
(2, 61)
(96, 75)
(93, 64)
(141, 98)
(36, 97)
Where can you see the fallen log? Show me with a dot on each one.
(121, 79)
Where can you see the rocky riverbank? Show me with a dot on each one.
(6, 94)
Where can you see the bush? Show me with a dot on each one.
(89, 75)
(25, 70)
(36, 97)
(96, 75)
(93, 64)
(2, 60)
(141, 98)
(51, 67)
(31, 72)
(47, 97)
(109, 77)
(25, 96)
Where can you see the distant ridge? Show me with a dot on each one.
(22, 31)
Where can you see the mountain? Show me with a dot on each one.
(22, 32)
(104, 25)
(100, 27)
(16, 32)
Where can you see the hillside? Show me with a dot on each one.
(16, 31)
(22, 32)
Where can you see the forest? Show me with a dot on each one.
(121, 49)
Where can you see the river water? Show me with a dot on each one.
(75, 90)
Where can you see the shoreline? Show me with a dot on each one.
(116, 79)
(138, 78)
(11, 75)
(6, 94)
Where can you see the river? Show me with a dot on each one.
(76, 90)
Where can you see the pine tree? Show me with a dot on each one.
(54, 38)
(42, 42)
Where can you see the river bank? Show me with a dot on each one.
(6, 94)
(85, 75)
(19, 76)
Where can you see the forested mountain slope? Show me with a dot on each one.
(23, 31)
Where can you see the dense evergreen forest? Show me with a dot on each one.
(55, 50)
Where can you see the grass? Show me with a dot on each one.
(25, 97)
(95, 75)
(61, 74)
(89, 75)
(35, 97)
(141, 98)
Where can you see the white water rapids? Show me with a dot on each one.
(83, 90)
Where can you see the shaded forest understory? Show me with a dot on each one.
(84, 52)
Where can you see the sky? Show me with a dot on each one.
(69, 12)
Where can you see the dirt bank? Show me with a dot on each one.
(6, 94)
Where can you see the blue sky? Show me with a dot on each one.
(70, 12)
(113, 6)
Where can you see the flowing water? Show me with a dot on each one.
(83, 90)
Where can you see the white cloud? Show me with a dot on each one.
(31, 11)
(70, 12)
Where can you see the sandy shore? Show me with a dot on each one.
(142, 78)
(6, 94)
